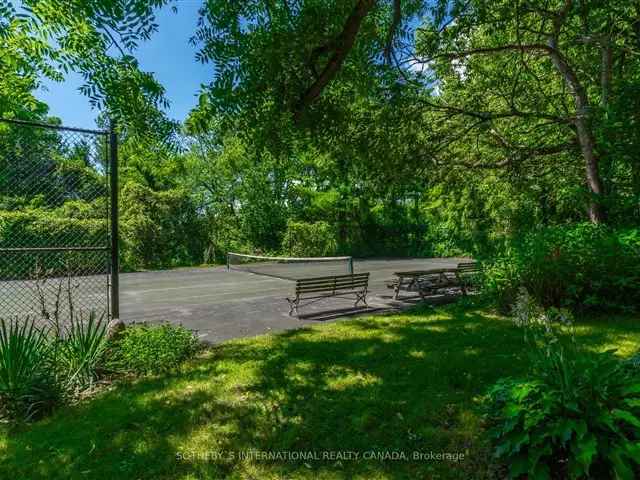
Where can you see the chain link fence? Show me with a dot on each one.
(57, 221)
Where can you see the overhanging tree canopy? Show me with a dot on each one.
(529, 80)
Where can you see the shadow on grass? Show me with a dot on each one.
(400, 383)
(333, 314)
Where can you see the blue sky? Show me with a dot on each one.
(168, 55)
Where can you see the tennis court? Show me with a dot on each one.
(223, 304)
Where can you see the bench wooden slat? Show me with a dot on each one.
(328, 288)
(332, 280)
(326, 283)
(311, 281)
(419, 273)
(341, 280)
(334, 284)
(338, 282)
(468, 267)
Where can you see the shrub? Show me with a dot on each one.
(577, 415)
(160, 229)
(579, 266)
(152, 348)
(37, 227)
(303, 239)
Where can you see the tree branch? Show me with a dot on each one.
(522, 152)
(484, 115)
(344, 44)
(395, 23)
(105, 28)
(491, 50)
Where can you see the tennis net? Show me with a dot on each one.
(290, 268)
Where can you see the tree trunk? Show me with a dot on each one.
(584, 132)
(587, 145)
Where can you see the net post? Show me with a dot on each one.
(228, 264)
(351, 265)
(115, 258)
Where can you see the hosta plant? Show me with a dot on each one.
(578, 413)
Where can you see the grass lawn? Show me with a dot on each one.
(399, 383)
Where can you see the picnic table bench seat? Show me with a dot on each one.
(317, 288)
(466, 273)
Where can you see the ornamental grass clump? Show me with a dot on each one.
(41, 367)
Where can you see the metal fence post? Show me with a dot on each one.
(115, 254)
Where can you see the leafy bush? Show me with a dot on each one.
(581, 266)
(160, 229)
(37, 227)
(27, 387)
(152, 348)
(303, 239)
(577, 415)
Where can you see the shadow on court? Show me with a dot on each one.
(223, 304)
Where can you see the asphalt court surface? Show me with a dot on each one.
(223, 304)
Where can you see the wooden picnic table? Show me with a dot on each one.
(424, 281)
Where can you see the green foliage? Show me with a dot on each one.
(160, 228)
(577, 415)
(42, 365)
(580, 266)
(241, 195)
(146, 349)
(406, 382)
(27, 388)
(43, 163)
(452, 156)
(43, 39)
(32, 226)
(82, 350)
(316, 239)
(39, 227)
(462, 157)
(263, 74)
(536, 433)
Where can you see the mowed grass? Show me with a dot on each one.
(398, 383)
